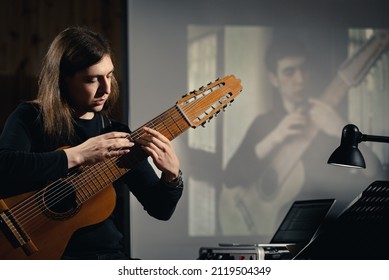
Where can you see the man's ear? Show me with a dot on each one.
(273, 79)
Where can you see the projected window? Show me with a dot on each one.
(368, 101)
(202, 64)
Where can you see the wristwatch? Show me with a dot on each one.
(176, 182)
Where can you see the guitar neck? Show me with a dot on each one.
(335, 92)
(192, 110)
(171, 124)
(355, 68)
(94, 178)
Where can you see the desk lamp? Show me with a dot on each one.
(348, 154)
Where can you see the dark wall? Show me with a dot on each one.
(28, 27)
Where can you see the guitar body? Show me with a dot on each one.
(51, 236)
(256, 209)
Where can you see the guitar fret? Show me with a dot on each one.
(175, 122)
(101, 185)
(79, 201)
(97, 178)
(87, 189)
(119, 171)
(153, 126)
(86, 185)
(114, 177)
(167, 128)
(81, 190)
(104, 177)
(107, 171)
(109, 164)
(91, 184)
(169, 124)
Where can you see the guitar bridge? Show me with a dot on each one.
(14, 232)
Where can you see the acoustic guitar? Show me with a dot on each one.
(252, 210)
(38, 225)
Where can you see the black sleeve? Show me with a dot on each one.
(157, 199)
(25, 164)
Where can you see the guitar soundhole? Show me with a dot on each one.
(59, 202)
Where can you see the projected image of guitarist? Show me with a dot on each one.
(284, 154)
(77, 88)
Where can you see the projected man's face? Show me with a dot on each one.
(291, 78)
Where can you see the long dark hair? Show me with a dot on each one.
(72, 50)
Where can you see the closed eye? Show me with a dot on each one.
(91, 81)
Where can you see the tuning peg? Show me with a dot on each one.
(203, 124)
(191, 92)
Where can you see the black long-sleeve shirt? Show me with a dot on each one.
(28, 160)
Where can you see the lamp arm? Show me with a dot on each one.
(374, 138)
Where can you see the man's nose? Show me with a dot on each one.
(299, 76)
(105, 86)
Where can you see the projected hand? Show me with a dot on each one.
(325, 117)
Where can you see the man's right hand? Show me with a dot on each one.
(99, 148)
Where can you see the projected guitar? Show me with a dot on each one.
(250, 205)
(38, 225)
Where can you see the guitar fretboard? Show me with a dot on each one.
(92, 179)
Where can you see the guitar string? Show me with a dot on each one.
(216, 84)
(31, 216)
(164, 123)
(135, 132)
(86, 174)
(60, 183)
(190, 105)
(151, 126)
(81, 177)
(31, 224)
(93, 172)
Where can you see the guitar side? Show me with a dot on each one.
(51, 236)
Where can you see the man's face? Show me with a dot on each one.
(89, 89)
(290, 78)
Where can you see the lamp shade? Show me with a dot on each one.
(348, 157)
(348, 154)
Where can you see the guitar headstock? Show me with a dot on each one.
(201, 105)
(354, 69)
